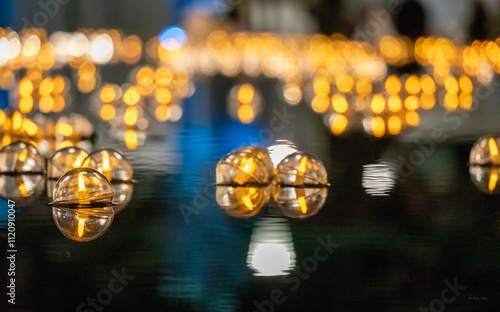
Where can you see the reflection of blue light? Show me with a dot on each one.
(4, 99)
(172, 38)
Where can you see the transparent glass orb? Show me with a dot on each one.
(485, 178)
(83, 225)
(301, 169)
(485, 151)
(64, 160)
(82, 187)
(280, 150)
(300, 202)
(111, 163)
(248, 165)
(242, 201)
(21, 188)
(123, 196)
(21, 157)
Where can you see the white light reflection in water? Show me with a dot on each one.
(379, 179)
(280, 150)
(271, 251)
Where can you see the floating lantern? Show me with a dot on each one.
(485, 151)
(300, 202)
(242, 201)
(301, 169)
(83, 225)
(111, 163)
(82, 187)
(64, 160)
(245, 166)
(21, 157)
(23, 189)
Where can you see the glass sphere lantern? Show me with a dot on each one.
(300, 202)
(64, 160)
(248, 165)
(301, 169)
(82, 187)
(242, 201)
(485, 151)
(83, 225)
(21, 157)
(111, 163)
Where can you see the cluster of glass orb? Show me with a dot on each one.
(248, 176)
(86, 190)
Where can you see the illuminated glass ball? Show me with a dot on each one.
(300, 202)
(21, 157)
(248, 165)
(82, 187)
(301, 169)
(485, 151)
(123, 195)
(485, 178)
(242, 201)
(22, 188)
(111, 163)
(64, 160)
(83, 225)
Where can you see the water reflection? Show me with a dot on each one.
(300, 202)
(242, 201)
(83, 225)
(379, 179)
(271, 250)
(485, 178)
(123, 196)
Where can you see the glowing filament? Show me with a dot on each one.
(22, 155)
(81, 226)
(493, 181)
(303, 205)
(81, 183)
(493, 147)
(79, 159)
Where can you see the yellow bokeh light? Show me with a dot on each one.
(378, 104)
(451, 85)
(145, 76)
(26, 104)
(344, 83)
(450, 101)
(107, 112)
(394, 125)
(163, 76)
(378, 127)
(412, 85)
(427, 100)
(394, 103)
(131, 96)
(17, 120)
(108, 93)
(321, 86)
(163, 95)
(393, 85)
(131, 139)
(427, 84)
(46, 103)
(465, 100)
(411, 103)
(64, 129)
(339, 103)
(465, 84)
(162, 112)
(58, 85)
(131, 116)
(29, 127)
(46, 86)
(25, 87)
(246, 113)
(363, 87)
(412, 118)
(59, 103)
(339, 123)
(245, 94)
(320, 103)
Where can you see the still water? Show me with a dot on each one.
(400, 230)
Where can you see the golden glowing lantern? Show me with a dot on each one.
(111, 163)
(21, 188)
(301, 169)
(242, 201)
(485, 151)
(247, 165)
(64, 160)
(84, 224)
(82, 188)
(300, 202)
(21, 157)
